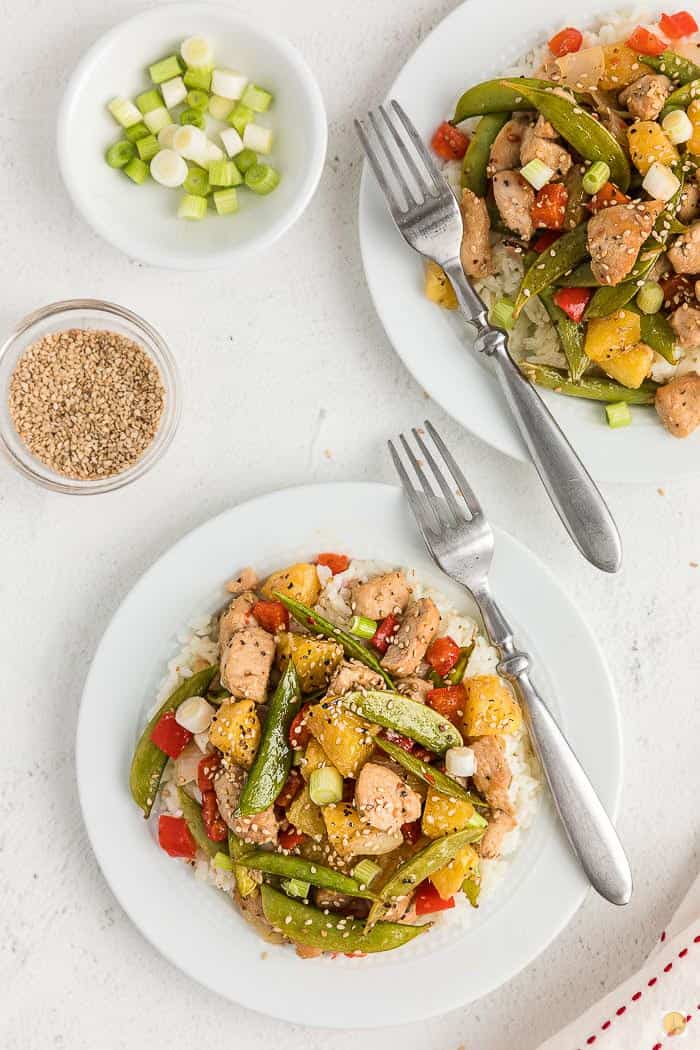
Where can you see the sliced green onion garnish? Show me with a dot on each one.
(166, 69)
(296, 888)
(245, 160)
(226, 201)
(197, 182)
(224, 173)
(618, 414)
(199, 78)
(501, 314)
(325, 786)
(147, 147)
(192, 207)
(261, 178)
(596, 177)
(120, 154)
(197, 99)
(220, 108)
(149, 100)
(223, 861)
(363, 627)
(124, 112)
(137, 170)
(241, 116)
(136, 132)
(194, 117)
(365, 872)
(257, 98)
(157, 119)
(650, 297)
(537, 173)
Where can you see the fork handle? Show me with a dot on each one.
(588, 827)
(570, 487)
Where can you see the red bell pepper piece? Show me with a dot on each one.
(290, 789)
(678, 25)
(272, 616)
(170, 736)
(545, 241)
(175, 837)
(206, 771)
(565, 42)
(607, 196)
(448, 702)
(646, 42)
(299, 732)
(384, 633)
(213, 823)
(573, 301)
(449, 142)
(290, 838)
(549, 208)
(411, 832)
(335, 562)
(442, 655)
(428, 900)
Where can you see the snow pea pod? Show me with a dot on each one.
(352, 646)
(571, 336)
(681, 98)
(657, 333)
(290, 867)
(428, 774)
(397, 712)
(608, 300)
(589, 387)
(563, 255)
(496, 96)
(575, 212)
(245, 882)
(192, 812)
(477, 156)
(582, 131)
(676, 68)
(149, 761)
(303, 924)
(581, 277)
(273, 759)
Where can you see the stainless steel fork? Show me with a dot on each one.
(460, 541)
(427, 215)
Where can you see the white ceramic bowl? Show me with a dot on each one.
(142, 220)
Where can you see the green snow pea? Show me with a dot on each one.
(192, 812)
(676, 68)
(303, 924)
(429, 775)
(575, 212)
(581, 277)
(563, 255)
(397, 712)
(290, 867)
(496, 96)
(589, 387)
(681, 98)
(477, 156)
(273, 759)
(657, 333)
(245, 883)
(149, 761)
(571, 336)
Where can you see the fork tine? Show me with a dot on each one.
(441, 518)
(462, 484)
(438, 180)
(395, 205)
(420, 179)
(409, 196)
(412, 496)
(438, 475)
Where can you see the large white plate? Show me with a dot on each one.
(477, 41)
(194, 925)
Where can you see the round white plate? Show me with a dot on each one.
(477, 41)
(142, 220)
(194, 925)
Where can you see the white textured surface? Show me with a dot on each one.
(288, 378)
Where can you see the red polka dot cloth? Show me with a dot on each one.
(658, 1008)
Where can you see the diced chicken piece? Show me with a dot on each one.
(689, 209)
(646, 97)
(605, 104)
(380, 596)
(475, 252)
(258, 829)
(236, 617)
(403, 909)
(331, 900)
(678, 404)
(350, 676)
(252, 911)
(537, 147)
(684, 253)
(544, 130)
(514, 199)
(416, 688)
(418, 628)
(697, 290)
(492, 777)
(384, 800)
(505, 149)
(246, 663)
(499, 826)
(615, 236)
(685, 322)
(247, 580)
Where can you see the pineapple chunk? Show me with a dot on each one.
(235, 730)
(448, 880)
(648, 142)
(443, 815)
(298, 581)
(315, 659)
(606, 336)
(491, 707)
(438, 288)
(630, 367)
(314, 758)
(305, 815)
(349, 834)
(344, 737)
(693, 143)
(622, 67)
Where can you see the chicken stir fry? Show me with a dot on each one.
(320, 760)
(587, 175)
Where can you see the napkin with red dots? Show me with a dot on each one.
(658, 1008)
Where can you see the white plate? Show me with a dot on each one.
(142, 220)
(194, 925)
(475, 42)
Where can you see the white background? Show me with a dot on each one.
(288, 378)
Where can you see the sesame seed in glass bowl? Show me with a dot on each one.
(89, 397)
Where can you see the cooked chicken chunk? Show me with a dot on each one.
(499, 826)
(246, 663)
(403, 909)
(380, 596)
(351, 675)
(685, 322)
(538, 147)
(605, 104)
(247, 580)
(684, 253)
(505, 149)
(418, 628)
(258, 829)
(646, 97)
(415, 688)
(492, 777)
(384, 799)
(678, 404)
(615, 236)
(475, 252)
(331, 900)
(236, 617)
(252, 911)
(514, 199)
(689, 209)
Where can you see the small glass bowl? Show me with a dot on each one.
(87, 313)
